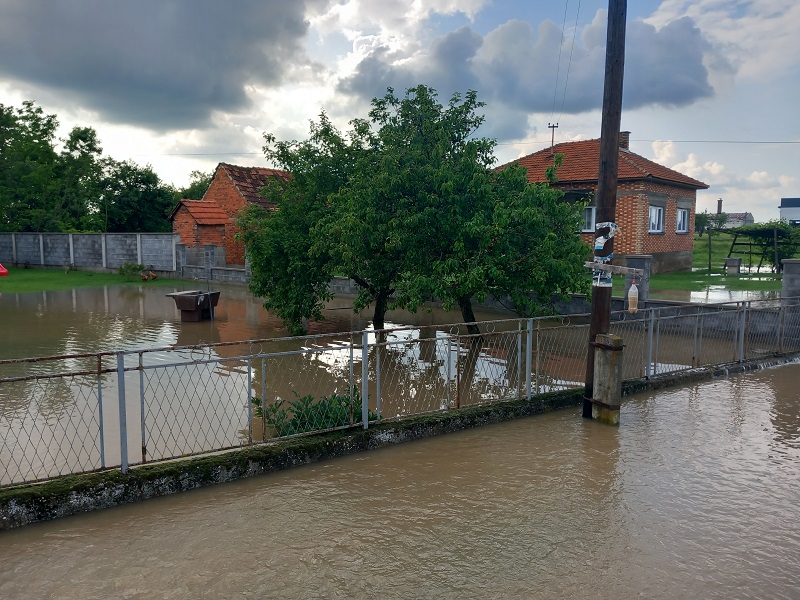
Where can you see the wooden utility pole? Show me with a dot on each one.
(606, 198)
(553, 134)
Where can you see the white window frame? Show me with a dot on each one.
(656, 220)
(591, 222)
(682, 220)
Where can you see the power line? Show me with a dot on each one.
(569, 64)
(558, 64)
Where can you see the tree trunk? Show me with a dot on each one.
(381, 306)
(465, 304)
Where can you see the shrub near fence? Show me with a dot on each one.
(79, 413)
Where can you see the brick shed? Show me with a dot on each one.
(655, 205)
(212, 219)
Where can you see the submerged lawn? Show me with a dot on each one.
(37, 280)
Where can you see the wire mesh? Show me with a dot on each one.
(61, 415)
(49, 426)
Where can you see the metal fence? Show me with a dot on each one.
(79, 413)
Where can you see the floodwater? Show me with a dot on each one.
(131, 317)
(693, 496)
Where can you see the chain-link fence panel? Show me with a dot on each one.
(316, 387)
(49, 426)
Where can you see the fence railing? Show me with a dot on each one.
(79, 413)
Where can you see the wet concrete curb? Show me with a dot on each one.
(71, 495)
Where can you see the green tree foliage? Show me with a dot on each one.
(198, 184)
(43, 188)
(702, 221)
(288, 272)
(774, 239)
(133, 198)
(718, 220)
(407, 205)
(27, 167)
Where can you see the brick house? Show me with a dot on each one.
(655, 205)
(212, 219)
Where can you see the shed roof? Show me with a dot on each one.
(581, 165)
(203, 212)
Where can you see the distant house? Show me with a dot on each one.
(212, 219)
(738, 220)
(655, 205)
(790, 210)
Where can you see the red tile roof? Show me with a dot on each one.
(581, 164)
(203, 212)
(250, 180)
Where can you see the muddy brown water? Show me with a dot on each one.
(695, 495)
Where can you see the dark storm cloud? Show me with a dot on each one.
(516, 66)
(446, 67)
(666, 67)
(162, 64)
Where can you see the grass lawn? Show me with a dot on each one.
(37, 280)
(699, 279)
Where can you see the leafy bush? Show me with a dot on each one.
(307, 414)
(130, 269)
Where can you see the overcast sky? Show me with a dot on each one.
(711, 86)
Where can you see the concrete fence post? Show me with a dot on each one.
(14, 248)
(607, 391)
(103, 249)
(123, 417)
(790, 283)
(71, 250)
(139, 248)
(41, 249)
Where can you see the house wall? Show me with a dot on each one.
(193, 234)
(791, 214)
(671, 251)
(224, 193)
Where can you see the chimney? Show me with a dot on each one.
(624, 140)
(719, 206)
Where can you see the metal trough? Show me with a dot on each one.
(195, 305)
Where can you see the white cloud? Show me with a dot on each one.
(760, 36)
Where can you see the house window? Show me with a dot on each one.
(682, 222)
(588, 220)
(656, 219)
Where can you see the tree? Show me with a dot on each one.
(78, 183)
(133, 198)
(198, 184)
(409, 208)
(719, 220)
(702, 221)
(27, 167)
(287, 272)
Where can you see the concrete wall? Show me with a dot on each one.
(100, 251)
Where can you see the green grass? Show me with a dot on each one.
(699, 279)
(37, 280)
